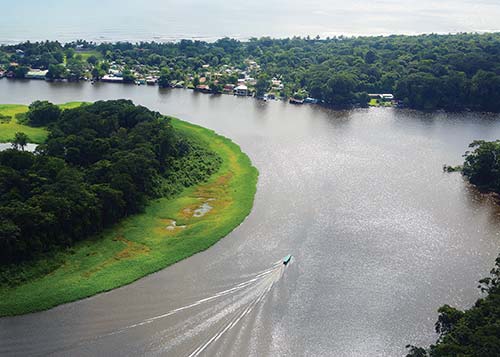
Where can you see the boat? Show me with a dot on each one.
(287, 259)
(296, 101)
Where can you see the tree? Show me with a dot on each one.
(20, 141)
(370, 57)
(196, 81)
(76, 69)
(97, 72)
(57, 71)
(339, 90)
(93, 60)
(414, 351)
(262, 85)
(419, 91)
(69, 53)
(41, 113)
(20, 71)
(486, 90)
(216, 87)
(482, 165)
(165, 77)
(128, 76)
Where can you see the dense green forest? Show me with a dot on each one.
(474, 332)
(100, 163)
(453, 72)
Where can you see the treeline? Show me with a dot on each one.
(100, 163)
(453, 72)
(471, 333)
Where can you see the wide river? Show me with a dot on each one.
(381, 238)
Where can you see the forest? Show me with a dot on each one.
(101, 163)
(428, 72)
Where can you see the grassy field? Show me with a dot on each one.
(147, 242)
(379, 103)
(36, 135)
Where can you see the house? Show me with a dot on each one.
(151, 81)
(36, 74)
(277, 84)
(241, 90)
(111, 79)
(382, 97)
(229, 88)
(203, 88)
(115, 72)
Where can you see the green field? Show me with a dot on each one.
(379, 103)
(36, 135)
(143, 244)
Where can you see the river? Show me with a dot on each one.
(171, 20)
(381, 238)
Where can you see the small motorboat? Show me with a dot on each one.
(287, 259)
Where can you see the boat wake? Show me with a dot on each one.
(208, 319)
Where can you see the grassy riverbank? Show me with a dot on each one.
(9, 127)
(150, 241)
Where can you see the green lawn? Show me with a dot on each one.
(86, 54)
(142, 244)
(379, 103)
(36, 135)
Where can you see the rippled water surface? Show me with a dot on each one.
(381, 237)
(168, 20)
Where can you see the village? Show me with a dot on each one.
(224, 79)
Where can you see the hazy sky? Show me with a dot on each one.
(103, 20)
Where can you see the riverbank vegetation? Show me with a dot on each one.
(473, 332)
(482, 165)
(115, 193)
(453, 72)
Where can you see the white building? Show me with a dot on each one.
(241, 90)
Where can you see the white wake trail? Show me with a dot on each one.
(256, 279)
(251, 305)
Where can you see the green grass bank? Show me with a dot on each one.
(168, 231)
(9, 127)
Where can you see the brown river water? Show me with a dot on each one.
(381, 238)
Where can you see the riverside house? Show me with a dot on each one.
(36, 74)
(241, 90)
